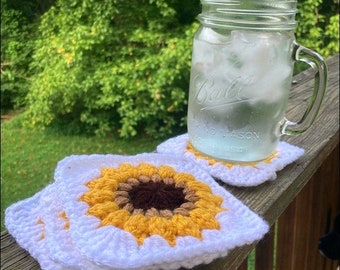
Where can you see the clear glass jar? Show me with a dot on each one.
(241, 73)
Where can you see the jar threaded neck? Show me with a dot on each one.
(249, 14)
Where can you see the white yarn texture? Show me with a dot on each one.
(238, 175)
(38, 223)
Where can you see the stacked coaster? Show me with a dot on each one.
(149, 211)
(243, 174)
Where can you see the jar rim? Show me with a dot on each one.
(229, 2)
(249, 14)
(245, 24)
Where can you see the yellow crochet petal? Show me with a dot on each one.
(166, 171)
(199, 186)
(101, 210)
(147, 169)
(184, 177)
(103, 183)
(163, 227)
(117, 218)
(205, 206)
(138, 226)
(206, 220)
(125, 167)
(113, 174)
(121, 176)
(185, 226)
(129, 170)
(208, 199)
(109, 172)
(95, 196)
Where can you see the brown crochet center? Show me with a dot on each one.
(156, 195)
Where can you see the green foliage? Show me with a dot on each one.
(19, 21)
(112, 67)
(318, 25)
(117, 66)
(15, 47)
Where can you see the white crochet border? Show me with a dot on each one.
(85, 246)
(237, 175)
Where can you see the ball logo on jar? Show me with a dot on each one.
(212, 95)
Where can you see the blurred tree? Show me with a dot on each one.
(318, 25)
(19, 22)
(116, 66)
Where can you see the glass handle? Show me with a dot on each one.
(320, 81)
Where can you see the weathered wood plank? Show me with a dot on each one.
(243, 266)
(307, 219)
(268, 199)
(14, 257)
(264, 253)
(286, 229)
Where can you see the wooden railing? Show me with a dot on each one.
(300, 205)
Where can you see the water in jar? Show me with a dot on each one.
(239, 88)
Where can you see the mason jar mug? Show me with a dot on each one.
(241, 74)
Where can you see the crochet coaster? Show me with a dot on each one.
(23, 221)
(243, 174)
(146, 212)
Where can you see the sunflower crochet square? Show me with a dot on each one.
(146, 212)
(243, 174)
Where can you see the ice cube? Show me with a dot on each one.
(263, 66)
(256, 53)
(207, 50)
(211, 36)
